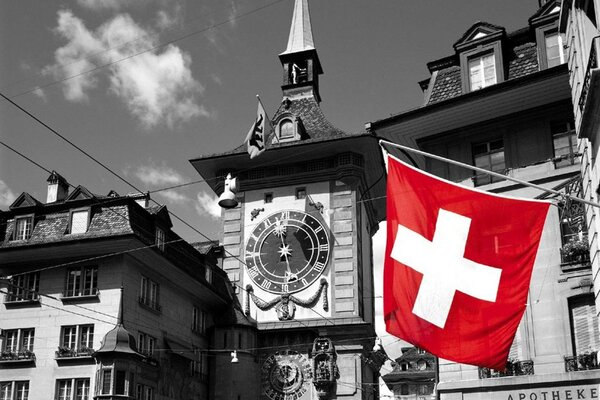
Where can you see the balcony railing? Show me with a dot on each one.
(16, 356)
(513, 368)
(22, 296)
(582, 362)
(74, 294)
(592, 64)
(68, 352)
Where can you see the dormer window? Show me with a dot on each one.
(482, 71)
(160, 239)
(23, 227)
(79, 221)
(555, 52)
(286, 129)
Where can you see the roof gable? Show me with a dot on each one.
(478, 32)
(548, 11)
(80, 193)
(162, 214)
(23, 201)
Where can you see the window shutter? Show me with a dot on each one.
(585, 327)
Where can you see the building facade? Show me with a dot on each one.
(501, 101)
(413, 376)
(579, 27)
(298, 244)
(104, 300)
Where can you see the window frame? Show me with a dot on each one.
(17, 342)
(485, 179)
(293, 129)
(574, 302)
(26, 217)
(147, 295)
(77, 335)
(81, 291)
(268, 198)
(160, 237)
(146, 344)
(72, 383)
(75, 211)
(22, 292)
(13, 391)
(298, 192)
(198, 320)
(482, 50)
(569, 133)
(541, 32)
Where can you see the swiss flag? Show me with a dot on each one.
(457, 266)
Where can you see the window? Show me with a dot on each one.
(82, 281)
(149, 293)
(584, 325)
(490, 156)
(18, 341)
(73, 389)
(18, 390)
(300, 193)
(114, 382)
(23, 227)
(76, 340)
(482, 71)
(286, 129)
(24, 287)
(208, 274)
(160, 239)
(144, 392)
(555, 53)
(424, 390)
(268, 198)
(198, 320)
(146, 344)
(564, 141)
(79, 221)
(403, 389)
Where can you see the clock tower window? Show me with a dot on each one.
(287, 129)
(300, 193)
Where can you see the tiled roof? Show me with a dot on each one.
(447, 85)
(205, 247)
(311, 115)
(525, 61)
(49, 228)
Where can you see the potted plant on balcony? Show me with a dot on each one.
(84, 351)
(576, 249)
(64, 351)
(8, 355)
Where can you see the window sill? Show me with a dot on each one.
(83, 298)
(154, 310)
(22, 303)
(17, 360)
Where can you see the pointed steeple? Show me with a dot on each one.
(301, 37)
(301, 65)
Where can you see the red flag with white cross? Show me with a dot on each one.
(458, 264)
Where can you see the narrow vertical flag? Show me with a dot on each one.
(458, 263)
(259, 132)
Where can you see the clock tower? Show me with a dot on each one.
(298, 244)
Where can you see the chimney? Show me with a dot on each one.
(58, 188)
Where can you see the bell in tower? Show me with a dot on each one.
(301, 65)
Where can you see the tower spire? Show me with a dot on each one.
(301, 37)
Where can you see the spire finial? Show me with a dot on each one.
(301, 37)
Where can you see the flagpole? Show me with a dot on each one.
(485, 171)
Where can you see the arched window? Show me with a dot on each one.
(286, 129)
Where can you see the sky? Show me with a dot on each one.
(146, 85)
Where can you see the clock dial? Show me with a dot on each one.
(285, 375)
(287, 251)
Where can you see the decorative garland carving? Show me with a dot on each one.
(254, 213)
(286, 303)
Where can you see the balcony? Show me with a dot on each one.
(71, 296)
(17, 357)
(68, 353)
(575, 254)
(582, 362)
(589, 98)
(513, 368)
(21, 298)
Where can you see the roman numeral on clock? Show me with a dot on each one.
(265, 284)
(253, 272)
(319, 266)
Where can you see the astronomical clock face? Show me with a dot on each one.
(287, 251)
(285, 375)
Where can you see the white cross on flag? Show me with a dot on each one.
(458, 265)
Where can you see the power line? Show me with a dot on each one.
(160, 45)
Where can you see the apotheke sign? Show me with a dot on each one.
(584, 392)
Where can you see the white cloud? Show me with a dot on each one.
(6, 195)
(157, 86)
(40, 94)
(174, 197)
(208, 204)
(157, 175)
(107, 4)
(169, 19)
